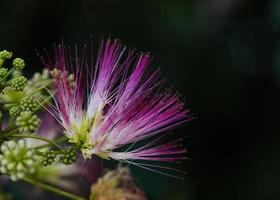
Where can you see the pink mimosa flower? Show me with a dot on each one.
(124, 105)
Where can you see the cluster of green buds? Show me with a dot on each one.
(21, 101)
(28, 104)
(21, 98)
(12, 82)
(4, 55)
(49, 157)
(18, 63)
(18, 83)
(9, 77)
(16, 159)
(3, 72)
(14, 111)
(27, 122)
(66, 156)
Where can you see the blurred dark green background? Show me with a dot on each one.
(223, 56)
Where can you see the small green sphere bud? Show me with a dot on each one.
(3, 72)
(17, 160)
(28, 104)
(48, 158)
(18, 63)
(27, 122)
(14, 111)
(5, 54)
(68, 156)
(1, 115)
(18, 83)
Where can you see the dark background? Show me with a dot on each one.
(223, 56)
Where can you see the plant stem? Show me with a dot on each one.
(57, 141)
(37, 137)
(53, 189)
(9, 128)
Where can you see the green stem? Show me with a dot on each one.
(53, 189)
(57, 141)
(37, 137)
(9, 72)
(9, 128)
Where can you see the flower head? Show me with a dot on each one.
(125, 104)
(17, 160)
(116, 185)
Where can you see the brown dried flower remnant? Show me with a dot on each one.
(116, 185)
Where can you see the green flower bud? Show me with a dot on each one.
(49, 157)
(1, 115)
(27, 122)
(3, 72)
(18, 83)
(28, 104)
(68, 156)
(17, 160)
(5, 54)
(14, 111)
(18, 63)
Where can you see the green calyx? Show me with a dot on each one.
(81, 138)
(18, 63)
(17, 160)
(83, 143)
(27, 122)
(18, 83)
